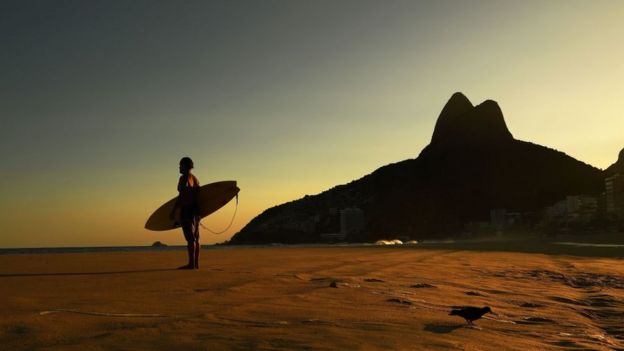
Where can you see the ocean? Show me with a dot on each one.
(49, 250)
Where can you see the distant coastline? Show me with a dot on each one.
(610, 245)
(49, 250)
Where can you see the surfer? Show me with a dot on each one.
(188, 188)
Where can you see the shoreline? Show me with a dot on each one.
(611, 245)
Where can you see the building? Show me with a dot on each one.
(558, 211)
(582, 208)
(578, 208)
(500, 219)
(333, 237)
(351, 221)
(614, 187)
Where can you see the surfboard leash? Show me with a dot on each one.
(229, 225)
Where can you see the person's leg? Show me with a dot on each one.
(187, 229)
(196, 243)
(196, 261)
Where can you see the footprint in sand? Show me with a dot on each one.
(399, 301)
(530, 305)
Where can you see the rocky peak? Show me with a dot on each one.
(460, 123)
(455, 106)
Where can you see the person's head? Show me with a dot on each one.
(186, 164)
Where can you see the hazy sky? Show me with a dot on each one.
(100, 99)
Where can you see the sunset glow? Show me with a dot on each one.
(287, 98)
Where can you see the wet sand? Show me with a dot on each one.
(280, 299)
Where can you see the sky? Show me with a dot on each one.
(99, 100)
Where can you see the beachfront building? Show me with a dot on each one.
(578, 208)
(582, 208)
(351, 222)
(557, 212)
(500, 219)
(332, 237)
(614, 186)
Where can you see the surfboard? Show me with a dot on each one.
(211, 197)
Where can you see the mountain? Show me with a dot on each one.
(473, 164)
(617, 167)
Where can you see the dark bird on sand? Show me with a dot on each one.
(470, 314)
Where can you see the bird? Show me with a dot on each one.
(470, 314)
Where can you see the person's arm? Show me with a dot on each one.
(196, 189)
(177, 203)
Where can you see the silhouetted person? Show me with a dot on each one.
(470, 314)
(188, 188)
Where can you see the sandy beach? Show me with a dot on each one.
(280, 298)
